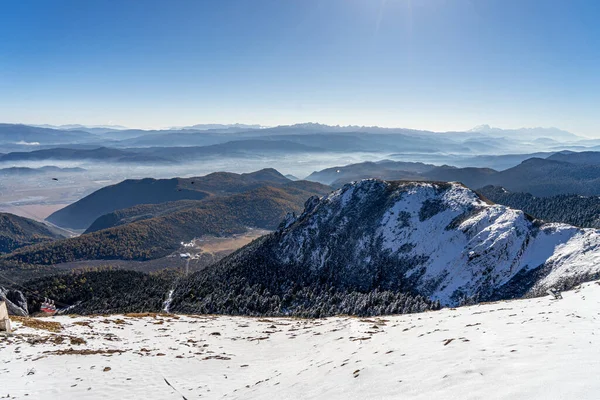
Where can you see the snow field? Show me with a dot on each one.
(536, 349)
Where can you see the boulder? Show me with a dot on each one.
(15, 300)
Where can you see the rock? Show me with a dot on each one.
(16, 303)
(289, 219)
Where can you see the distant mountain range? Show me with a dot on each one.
(16, 171)
(386, 169)
(533, 133)
(440, 241)
(11, 133)
(560, 173)
(323, 141)
(583, 157)
(481, 140)
(206, 127)
(85, 128)
(529, 133)
(101, 154)
(499, 162)
(162, 155)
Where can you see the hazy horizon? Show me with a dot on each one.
(431, 65)
(70, 125)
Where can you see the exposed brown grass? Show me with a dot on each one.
(36, 323)
(77, 340)
(214, 245)
(146, 314)
(84, 352)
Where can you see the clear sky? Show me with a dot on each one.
(427, 64)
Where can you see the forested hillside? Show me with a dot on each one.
(561, 173)
(583, 211)
(16, 232)
(385, 169)
(138, 213)
(132, 192)
(102, 291)
(146, 211)
(156, 237)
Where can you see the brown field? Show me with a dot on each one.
(215, 245)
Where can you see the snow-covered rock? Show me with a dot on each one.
(439, 239)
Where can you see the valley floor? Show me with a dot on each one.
(536, 349)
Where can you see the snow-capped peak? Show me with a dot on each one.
(437, 239)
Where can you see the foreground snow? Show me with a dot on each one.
(535, 349)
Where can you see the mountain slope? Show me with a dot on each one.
(101, 154)
(132, 192)
(263, 207)
(12, 171)
(147, 211)
(582, 157)
(472, 177)
(101, 291)
(398, 170)
(561, 173)
(16, 232)
(549, 177)
(530, 133)
(583, 211)
(138, 213)
(439, 240)
(534, 349)
(198, 145)
(385, 169)
(14, 133)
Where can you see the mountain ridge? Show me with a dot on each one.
(437, 240)
(133, 192)
(571, 173)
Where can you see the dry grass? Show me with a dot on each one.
(146, 314)
(84, 352)
(55, 339)
(77, 340)
(36, 323)
(215, 245)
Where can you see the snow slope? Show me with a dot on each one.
(536, 349)
(448, 242)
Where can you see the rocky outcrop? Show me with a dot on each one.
(16, 303)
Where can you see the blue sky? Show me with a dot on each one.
(426, 64)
